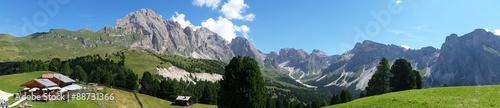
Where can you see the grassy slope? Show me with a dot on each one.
(124, 99)
(140, 61)
(465, 96)
(10, 83)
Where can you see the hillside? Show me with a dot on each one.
(464, 96)
(10, 83)
(123, 99)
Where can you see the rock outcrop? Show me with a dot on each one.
(472, 59)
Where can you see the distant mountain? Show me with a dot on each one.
(471, 59)
(169, 37)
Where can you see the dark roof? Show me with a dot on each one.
(63, 78)
(46, 82)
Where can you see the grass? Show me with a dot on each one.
(64, 104)
(11, 83)
(140, 61)
(125, 99)
(464, 96)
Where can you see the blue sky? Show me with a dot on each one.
(327, 25)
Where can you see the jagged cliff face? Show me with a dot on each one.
(355, 67)
(241, 46)
(169, 37)
(472, 59)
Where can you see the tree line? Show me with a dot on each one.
(90, 68)
(398, 77)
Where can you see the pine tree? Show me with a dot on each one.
(120, 79)
(24, 67)
(79, 73)
(335, 99)
(55, 64)
(270, 103)
(362, 94)
(65, 69)
(345, 96)
(403, 77)
(131, 80)
(147, 83)
(379, 83)
(418, 79)
(209, 95)
(242, 85)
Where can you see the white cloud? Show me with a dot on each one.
(209, 3)
(233, 9)
(225, 28)
(398, 1)
(244, 29)
(496, 32)
(405, 47)
(180, 19)
(486, 29)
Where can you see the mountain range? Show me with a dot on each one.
(471, 59)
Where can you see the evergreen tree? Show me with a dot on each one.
(79, 73)
(147, 84)
(335, 99)
(378, 84)
(362, 94)
(242, 85)
(163, 92)
(278, 104)
(131, 80)
(270, 103)
(173, 90)
(315, 104)
(66, 69)
(323, 103)
(24, 67)
(209, 95)
(403, 77)
(120, 79)
(418, 79)
(345, 96)
(55, 64)
(107, 78)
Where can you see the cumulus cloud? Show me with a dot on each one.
(398, 1)
(244, 29)
(222, 26)
(496, 32)
(486, 29)
(180, 19)
(405, 47)
(209, 3)
(233, 9)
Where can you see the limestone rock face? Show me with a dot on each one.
(472, 59)
(169, 37)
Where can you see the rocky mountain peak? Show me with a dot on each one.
(317, 52)
(241, 46)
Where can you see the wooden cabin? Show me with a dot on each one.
(59, 79)
(39, 83)
(184, 100)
